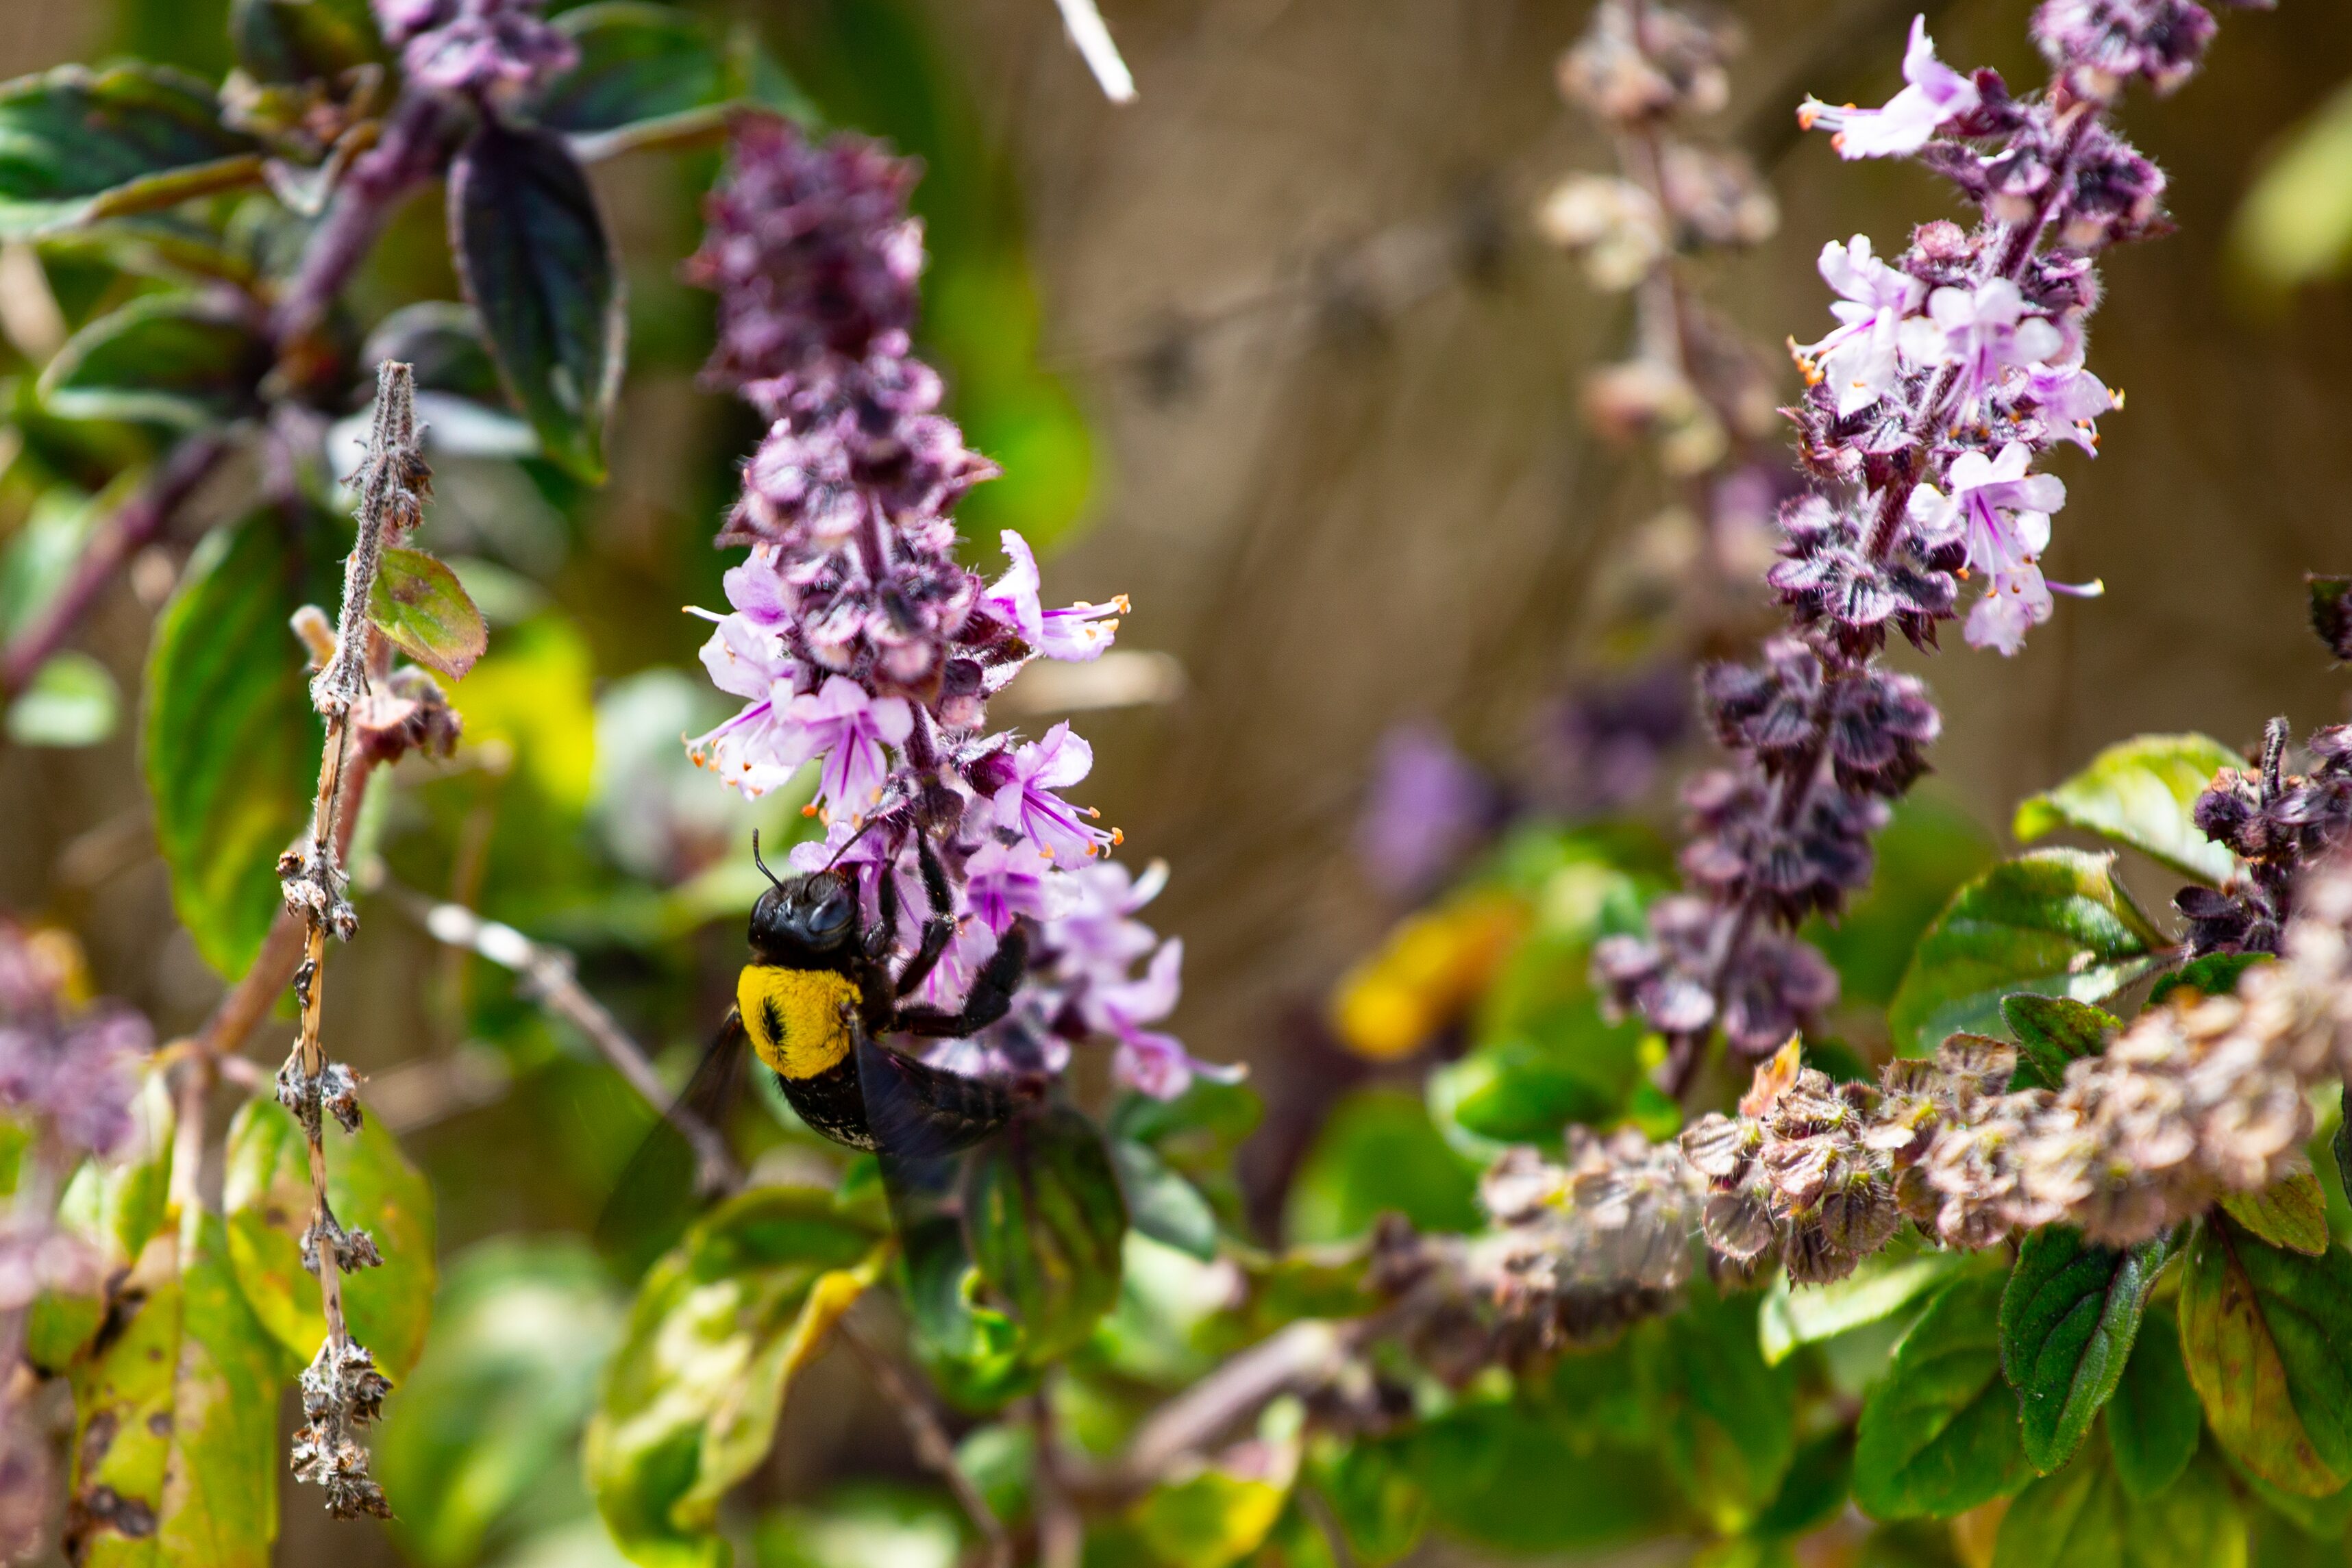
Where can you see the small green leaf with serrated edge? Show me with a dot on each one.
(2068, 1319)
(1939, 1432)
(539, 268)
(418, 604)
(2154, 1416)
(186, 360)
(1044, 1220)
(718, 1328)
(2214, 975)
(175, 1416)
(77, 144)
(2139, 793)
(2291, 1212)
(372, 1187)
(2263, 1332)
(2055, 922)
(2051, 1031)
(230, 741)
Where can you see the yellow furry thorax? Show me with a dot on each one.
(794, 1017)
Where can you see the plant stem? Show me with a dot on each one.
(931, 1445)
(551, 973)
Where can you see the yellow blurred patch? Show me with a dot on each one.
(1426, 974)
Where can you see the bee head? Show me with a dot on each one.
(816, 913)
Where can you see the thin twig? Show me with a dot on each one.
(341, 1390)
(552, 975)
(1061, 1527)
(134, 525)
(272, 970)
(933, 1448)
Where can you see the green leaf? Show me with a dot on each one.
(2054, 922)
(441, 341)
(266, 1191)
(77, 144)
(299, 40)
(2152, 1434)
(689, 1402)
(1044, 1220)
(70, 702)
(1820, 1479)
(2214, 975)
(2263, 1332)
(1164, 1204)
(539, 268)
(1376, 1499)
(484, 1433)
(2139, 793)
(1729, 1420)
(2290, 1212)
(232, 745)
(1880, 1287)
(175, 1455)
(1940, 1433)
(418, 604)
(2068, 1319)
(2081, 1518)
(971, 1350)
(1500, 1478)
(1380, 1152)
(1929, 847)
(186, 361)
(2051, 1031)
(648, 75)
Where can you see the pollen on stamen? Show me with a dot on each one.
(809, 809)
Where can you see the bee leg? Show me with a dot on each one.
(939, 928)
(989, 999)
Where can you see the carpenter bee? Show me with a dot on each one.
(819, 996)
(814, 1004)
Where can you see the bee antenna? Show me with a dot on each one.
(758, 862)
(870, 824)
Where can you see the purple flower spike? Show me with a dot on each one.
(859, 641)
(1936, 96)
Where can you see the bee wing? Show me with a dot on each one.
(919, 1112)
(666, 1181)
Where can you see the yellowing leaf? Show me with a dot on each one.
(373, 1188)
